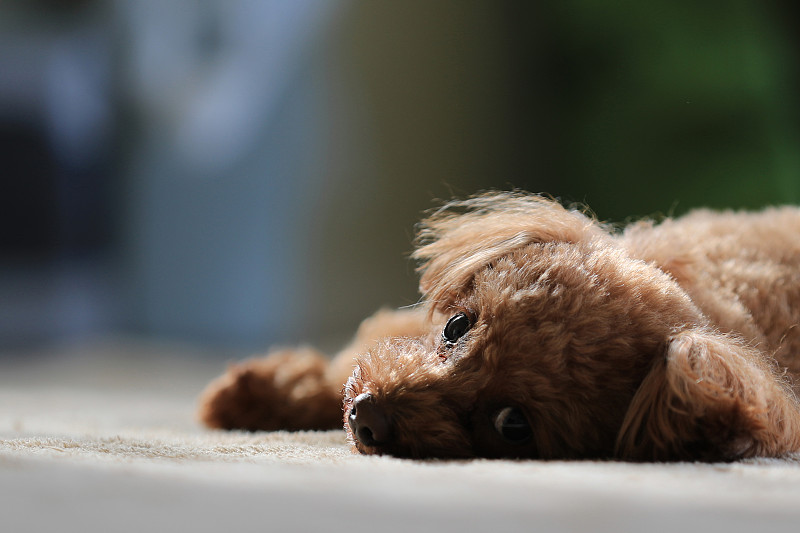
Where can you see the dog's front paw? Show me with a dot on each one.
(286, 390)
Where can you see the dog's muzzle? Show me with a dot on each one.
(368, 421)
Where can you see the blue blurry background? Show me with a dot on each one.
(239, 173)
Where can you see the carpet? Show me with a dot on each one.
(102, 437)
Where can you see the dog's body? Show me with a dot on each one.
(543, 334)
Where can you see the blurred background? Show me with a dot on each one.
(238, 174)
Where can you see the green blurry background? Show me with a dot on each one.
(634, 108)
(291, 216)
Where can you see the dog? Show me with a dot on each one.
(544, 333)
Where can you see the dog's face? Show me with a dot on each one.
(542, 334)
(539, 357)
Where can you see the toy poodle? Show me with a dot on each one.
(544, 333)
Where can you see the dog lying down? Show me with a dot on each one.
(545, 334)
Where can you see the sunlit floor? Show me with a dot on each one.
(102, 438)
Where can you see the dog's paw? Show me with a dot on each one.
(286, 390)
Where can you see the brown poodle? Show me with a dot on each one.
(545, 334)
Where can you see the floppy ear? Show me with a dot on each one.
(465, 236)
(712, 398)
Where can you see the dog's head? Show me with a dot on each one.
(549, 340)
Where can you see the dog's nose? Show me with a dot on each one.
(368, 421)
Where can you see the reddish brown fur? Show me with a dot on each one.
(660, 342)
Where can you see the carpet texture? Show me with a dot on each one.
(102, 437)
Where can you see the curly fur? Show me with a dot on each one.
(670, 341)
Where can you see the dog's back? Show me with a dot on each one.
(741, 269)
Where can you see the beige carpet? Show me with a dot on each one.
(102, 438)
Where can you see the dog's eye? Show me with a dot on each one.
(512, 425)
(456, 327)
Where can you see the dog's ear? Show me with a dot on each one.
(712, 398)
(465, 236)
